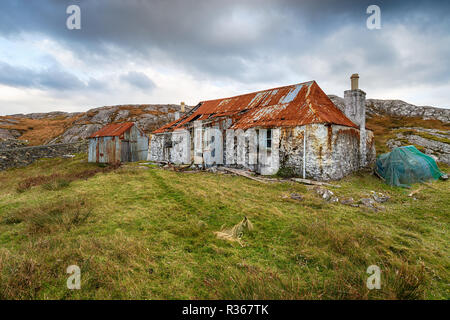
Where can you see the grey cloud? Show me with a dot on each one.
(52, 78)
(243, 41)
(138, 80)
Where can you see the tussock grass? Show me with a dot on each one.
(60, 215)
(58, 181)
(149, 234)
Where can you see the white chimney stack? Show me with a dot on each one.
(183, 107)
(355, 110)
(355, 103)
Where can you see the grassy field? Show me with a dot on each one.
(149, 234)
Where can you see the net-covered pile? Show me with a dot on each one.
(406, 165)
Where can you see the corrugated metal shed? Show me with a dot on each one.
(294, 105)
(118, 142)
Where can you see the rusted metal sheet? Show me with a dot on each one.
(295, 105)
(113, 130)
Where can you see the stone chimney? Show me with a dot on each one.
(183, 107)
(355, 103)
(355, 110)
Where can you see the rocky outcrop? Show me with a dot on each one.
(63, 127)
(147, 117)
(399, 108)
(434, 143)
(20, 157)
(48, 115)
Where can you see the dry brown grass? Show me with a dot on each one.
(39, 131)
(56, 181)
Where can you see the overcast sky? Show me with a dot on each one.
(137, 51)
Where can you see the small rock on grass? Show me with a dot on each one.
(348, 201)
(296, 196)
(379, 197)
(371, 204)
(326, 194)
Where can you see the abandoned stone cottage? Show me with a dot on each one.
(295, 127)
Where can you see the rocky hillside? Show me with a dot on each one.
(397, 123)
(394, 123)
(62, 127)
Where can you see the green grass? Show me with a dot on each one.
(141, 233)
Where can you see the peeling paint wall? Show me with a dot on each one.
(332, 151)
(180, 153)
(131, 146)
(159, 147)
(213, 146)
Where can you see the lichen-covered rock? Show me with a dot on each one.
(379, 197)
(324, 193)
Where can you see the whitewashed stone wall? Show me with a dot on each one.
(180, 152)
(332, 151)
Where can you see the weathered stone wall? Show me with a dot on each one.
(345, 156)
(355, 106)
(20, 157)
(159, 147)
(181, 147)
(12, 144)
(332, 151)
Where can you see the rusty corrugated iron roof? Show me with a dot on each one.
(113, 130)
(294, 105)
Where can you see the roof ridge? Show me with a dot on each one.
(259, 91)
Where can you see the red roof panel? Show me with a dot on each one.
(113, 130)
(293, 105)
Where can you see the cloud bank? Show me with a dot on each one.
(181, 50)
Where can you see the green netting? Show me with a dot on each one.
(406, 165)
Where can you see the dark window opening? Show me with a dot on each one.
(269, 138)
